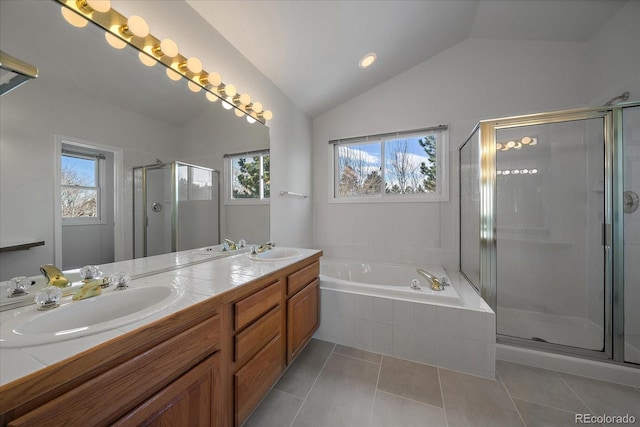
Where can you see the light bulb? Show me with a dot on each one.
(367, 60)
(506, 172)
(193, 87)
(533, 171)
(135, 26)
(211, 97)
(526, 140)
(251, 119)
(167, 47)
(89, 6)
(146, 59)
(214, 79)
(511, 144)
(228, 90)
(257, 107)
(114, 41)
(498, 146)
(239, 113)
(73, 18)
(226, 105)
(173, 75)
(192, 64)
(245, 99)
(267, 115)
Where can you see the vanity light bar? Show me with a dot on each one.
(135, 32)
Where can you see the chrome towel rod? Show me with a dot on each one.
(291, 193)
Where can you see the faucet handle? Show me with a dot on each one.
(444, 281)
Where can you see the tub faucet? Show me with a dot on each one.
(436, 284)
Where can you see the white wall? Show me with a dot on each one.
(474, 80)
(290, 129)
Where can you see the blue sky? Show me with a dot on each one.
(84, 167)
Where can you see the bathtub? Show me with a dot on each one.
(371, 306)
(385, 280)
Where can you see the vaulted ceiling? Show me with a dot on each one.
(311, 49)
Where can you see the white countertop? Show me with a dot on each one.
(201, 278)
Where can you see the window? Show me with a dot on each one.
(400, 167)
(248, 177)
(81, 187)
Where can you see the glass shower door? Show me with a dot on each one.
(550, 193)
(631, 225)
(159, 207)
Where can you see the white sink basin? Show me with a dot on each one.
(276, 254)
(74, 319)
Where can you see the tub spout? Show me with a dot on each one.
(436, 284)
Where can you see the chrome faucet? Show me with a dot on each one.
(436, 284)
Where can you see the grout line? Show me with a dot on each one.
(358, 359)
(375, 392)
(444, 408)
(504, 387)
(546, 406)
(574, 392)
(411, 400)
(313, 385)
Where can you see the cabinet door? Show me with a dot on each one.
(302, 318)
(187, 401)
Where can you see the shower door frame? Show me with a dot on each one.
(612, 240)
(174, 201)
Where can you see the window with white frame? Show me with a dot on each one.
(81, 185)
(399, 167)
(248, 177)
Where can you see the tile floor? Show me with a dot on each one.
(331, 385)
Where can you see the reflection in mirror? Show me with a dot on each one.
(91, 96)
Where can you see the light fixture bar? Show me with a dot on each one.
(112, 22)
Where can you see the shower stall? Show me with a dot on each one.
(176, 207)
(549, 231)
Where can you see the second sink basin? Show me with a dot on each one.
(85, 317)
(276, 254)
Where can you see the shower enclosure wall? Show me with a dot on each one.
(548, 233)
(175, 208)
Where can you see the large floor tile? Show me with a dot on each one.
(605, 398)
(358, 354)
(538, 386)
(411, 380)
(535, 415)
(342, 395)
(302, 373)
(477, 402)
(390, 410)
(276, 410)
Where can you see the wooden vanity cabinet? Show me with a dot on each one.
(303, 299)
(207, 365)
(138, 387)
(258, 356)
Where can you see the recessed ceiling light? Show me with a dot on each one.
(367, 60)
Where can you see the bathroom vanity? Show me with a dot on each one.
(209, 361)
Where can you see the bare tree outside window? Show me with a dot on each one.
(410, 167)
(79, 196)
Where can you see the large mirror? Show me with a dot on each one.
(89, 96)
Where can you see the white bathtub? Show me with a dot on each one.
(371, 306)
(384, 280)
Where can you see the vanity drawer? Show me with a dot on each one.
(302, 278)
(249, 309)
(256, 377)
(256, 336)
